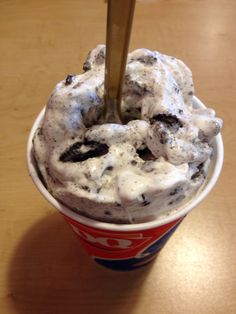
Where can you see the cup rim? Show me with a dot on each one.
(219, 156)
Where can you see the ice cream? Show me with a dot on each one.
(132, 172)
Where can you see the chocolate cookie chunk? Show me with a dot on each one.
(95, 57)
(138, 86)
(170, 121)
(145, 154)
(199, 172)
(69, 79)
(91, 149)
(148, 59)
(145, 202)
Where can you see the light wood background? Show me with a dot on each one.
(42, 268)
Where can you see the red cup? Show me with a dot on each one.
(125, 246)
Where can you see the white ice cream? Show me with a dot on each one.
(132, 172)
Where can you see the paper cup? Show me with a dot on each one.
(125, 246)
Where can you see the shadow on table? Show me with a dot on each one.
(50, 273)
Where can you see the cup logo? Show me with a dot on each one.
(112, 245)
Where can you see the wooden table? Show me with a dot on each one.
(42, 268)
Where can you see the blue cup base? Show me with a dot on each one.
(127, 264)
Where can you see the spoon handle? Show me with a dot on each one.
(119, 23)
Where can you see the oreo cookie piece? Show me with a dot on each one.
(145, 154)
(199, 172)
(148, 59)
(91, 149)
(96, 56)
(145, 202)
(69, 79)
(86, 66)
(170, 121)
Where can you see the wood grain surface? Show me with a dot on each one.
(43, 270)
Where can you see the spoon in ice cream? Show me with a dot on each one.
(119, 23)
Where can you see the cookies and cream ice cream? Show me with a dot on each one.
(131, 172)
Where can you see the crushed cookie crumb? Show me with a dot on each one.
(69, 79)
